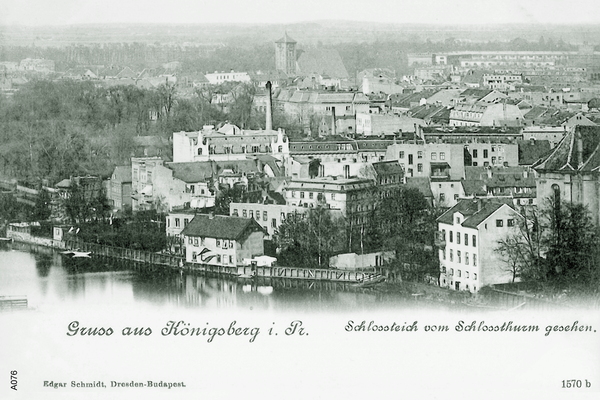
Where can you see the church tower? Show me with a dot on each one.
(285, 55)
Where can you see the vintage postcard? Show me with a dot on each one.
(299, 200)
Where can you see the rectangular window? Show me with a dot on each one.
(475, 276)
(458, 272)
(466, 239)
(467, 274)
(244, 213)
(218, 259)
(499, 223)
(410, 159)
(332, 196)
(218, 243)
(202, 241)
(235, 212)
(474, 241)
(510, 222)
(474, 153)
(442, 197)
(466, 258)
(195, 241)
(401, 154)
(443, 254)
(251, 214)
(190, 240)
(475, 263)
(257, 215)
(231, 260)
(274, 223)
(442, 155)
(458, 259)
(419, 154)
(450, 235)
(185, 222)
(457, 237)
(177, 222)
(310, 195)
(419, 167)
(451, 271)
(485, 153)
(451, 254)
(433, 156)
(301, 195)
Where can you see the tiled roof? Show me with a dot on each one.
(531, 151)
(475, 211)
(192, 172)
(564, 157)
(423, 184)
(388, 167)
(122, 174)
(220, 227)
(474, 187)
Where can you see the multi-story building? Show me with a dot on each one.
(468, 236)
(222, 240)
(175, 222)
(437, 161)
(216, 78)
(227, 144)
(269, 216)
(516, 184)
(485, 114)
(119, 192)
(354, 197)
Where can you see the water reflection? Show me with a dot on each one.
(48, 277)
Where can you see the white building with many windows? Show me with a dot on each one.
(468, 236)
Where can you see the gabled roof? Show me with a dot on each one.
(473, 187)
(220, 227)
(388, 168)
(475, 211)
(122, 174)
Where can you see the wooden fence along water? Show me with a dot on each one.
(247, 271)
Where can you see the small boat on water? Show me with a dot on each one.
(81, 253)
(370, 280)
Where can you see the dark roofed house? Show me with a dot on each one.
(222, 240)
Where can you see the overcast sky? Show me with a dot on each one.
(61, 12)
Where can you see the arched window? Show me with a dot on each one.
(200, 151)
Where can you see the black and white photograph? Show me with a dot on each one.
(299, 199)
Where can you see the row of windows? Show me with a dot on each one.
(466, 237)
(311, 195)
(221, 259)
(459, 257)
(225, 244)
(178, 222)
(433, 156)
(212, 149)
(509, 222)
(459, 273)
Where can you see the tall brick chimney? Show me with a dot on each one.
(269, 112)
